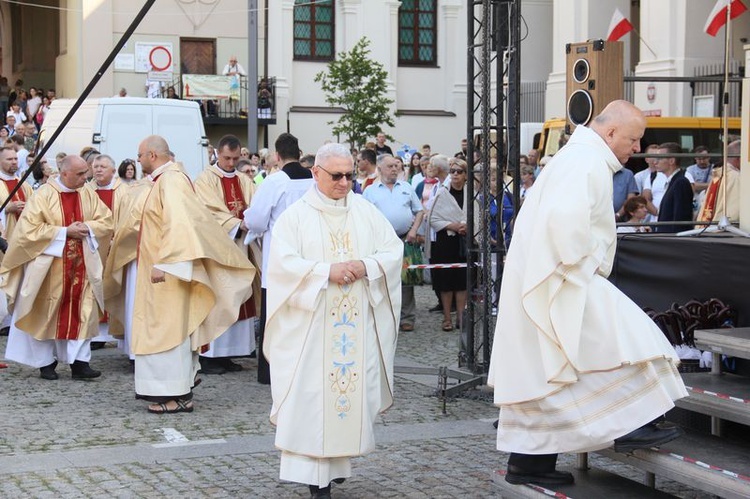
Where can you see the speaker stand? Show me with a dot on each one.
(722, 226)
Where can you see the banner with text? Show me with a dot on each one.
(205, 86)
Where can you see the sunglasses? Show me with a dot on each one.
(338, 176)
(457, 170)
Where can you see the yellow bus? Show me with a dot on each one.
(689, 132)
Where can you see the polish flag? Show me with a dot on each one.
(619, 26)
(718, 16)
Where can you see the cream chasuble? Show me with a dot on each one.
(123, 250)
(331, 347)
(575, 363)
(57, 297)
(208, 277)
(9, 220)
(712, 207)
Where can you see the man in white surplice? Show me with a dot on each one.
(334, 296)
(575, 364)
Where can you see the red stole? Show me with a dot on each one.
(367, 183)
(235, 203)
(74, 271)
(107, 196)
(18, 196)
(709, 204)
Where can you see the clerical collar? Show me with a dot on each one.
(223, 172)
(6, 176)
(158, 171)
(329, 201)
(107, 187)
(63, 188)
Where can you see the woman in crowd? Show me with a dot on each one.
(527, 180)
(635, 213)
(33, 104)
(447, 218)
(415, 175)
(42, 112)
(127, 171)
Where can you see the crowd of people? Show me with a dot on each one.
(299, 260)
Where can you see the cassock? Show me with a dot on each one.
(54, 282)
(227, 195)
(207, 279)
(330, 347)
(120, 269)
(575, 363)
(712, 207)
(111, 195)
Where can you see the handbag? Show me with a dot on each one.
(412, 256)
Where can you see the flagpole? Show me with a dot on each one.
(725, 117)
(644, 42)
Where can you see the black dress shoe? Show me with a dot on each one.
(48, 372)
(82, 370)
(647, 436)
(210, 366)
(97, 345)
(517, 476)
(436, 308)
(320, 492)
(4, 331)
(228, 364)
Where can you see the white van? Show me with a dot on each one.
(116, 125)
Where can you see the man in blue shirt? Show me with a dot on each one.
(624, 187)
(399, 203)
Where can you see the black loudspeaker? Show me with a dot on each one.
(594, 78)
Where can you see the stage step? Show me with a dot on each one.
(703, 462)
(592, 483)
(734, 342)
(725, 396)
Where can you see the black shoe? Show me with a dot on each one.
(254, 354)
(339, 480)
(4, 331)
(516, 476)
(320, 492)
(97, 345)
(647, 436)
(48, 372)
(436, 308)
(228, 364)
(82, 370)
(210, 366)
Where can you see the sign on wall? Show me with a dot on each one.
(148, 54)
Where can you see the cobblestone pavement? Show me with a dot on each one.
(70, 439)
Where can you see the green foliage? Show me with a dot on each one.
(357, 84)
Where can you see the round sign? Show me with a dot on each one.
(651, 92)
(160, 58)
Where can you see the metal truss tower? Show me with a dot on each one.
(493, 123)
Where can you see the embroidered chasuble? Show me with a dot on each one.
(207, 276)
(227, 196)
(331, 347)
(61, 296)
(107, 195)
(712, 208)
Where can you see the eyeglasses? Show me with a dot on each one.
(338, 176)
(457, 170)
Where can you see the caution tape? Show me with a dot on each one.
(718, 395)
(707, 466)
(437, 266)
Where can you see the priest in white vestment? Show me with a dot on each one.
(575, 363)
(334, 296)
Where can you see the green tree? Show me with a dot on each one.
(357, 84)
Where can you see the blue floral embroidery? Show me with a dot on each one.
(344, 344)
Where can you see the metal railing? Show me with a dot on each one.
(229, 109)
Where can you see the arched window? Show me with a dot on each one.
(314, 25)
(417, 33)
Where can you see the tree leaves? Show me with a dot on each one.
(357, 84)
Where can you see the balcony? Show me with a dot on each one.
(222, 101)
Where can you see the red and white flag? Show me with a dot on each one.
(619, 26)
(718, 16)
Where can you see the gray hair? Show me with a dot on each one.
(440, 161)
(382, 157)
(332, 150)
(107, 158)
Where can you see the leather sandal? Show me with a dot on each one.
(182, 406)
(447, 325)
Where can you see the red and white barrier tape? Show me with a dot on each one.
(705, 465)
(437, 266)
(718, 395)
